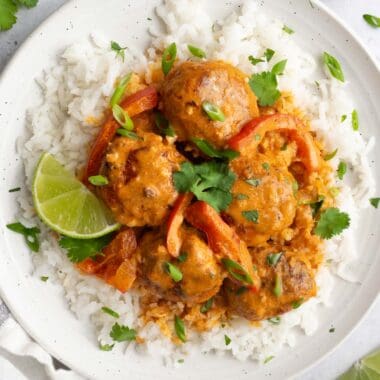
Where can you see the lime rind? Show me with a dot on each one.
(66, 205)
(366, 369)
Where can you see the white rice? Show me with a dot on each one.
(80, 85)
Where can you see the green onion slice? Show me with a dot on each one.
(330, 156)
(211, 151)
(274, 258)
(277, 290)
(207, 305)
(213, 111)
(98, 180)
(125, 133)
(122, 117)
(237, 271)
(196, 52)
(110, 312)
(120, 90)
(173, 271)
(180, 328)
(168, 58)
(334, 66)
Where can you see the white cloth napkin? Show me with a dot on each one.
(23, 359)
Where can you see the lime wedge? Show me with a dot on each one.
(66, 205)
(367, 368)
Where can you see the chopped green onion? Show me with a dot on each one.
(125, 133)
(372, 20)
(196, 52)
(334, 66)
(274, 320)
(330, 156)
(297, 304)
(211, 151)
(355, 120)
(343, 118)
(30, 234)
(279, 67)
(14, 189)
(122, 117)
(375, 202)
(164, 125)
(268, 54)
(120, 90)
(227, 340)
(180, 328)
(251, 215)
(286, 29)
(268, 359)
(265, 166)
(109, 311)
(257, 137)
(168, 58)
(342, 169)
(207, 305)
(241, 197)
(253, 181)
(106, 347)
(237, 271)
(173, 271)
(277, 290)
(98, 180)
(213, 111)
(274, 258)
(44, 278)
(182, 257)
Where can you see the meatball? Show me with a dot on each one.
(202, 276)
(296, 281)
(140, 190)
(264, 201)
(191, 83)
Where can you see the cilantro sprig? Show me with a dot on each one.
(30, 234)
(8, 10)
(80, 249)
(120, 333)
(210, 182)
(331, 222)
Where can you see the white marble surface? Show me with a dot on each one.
(366, 337)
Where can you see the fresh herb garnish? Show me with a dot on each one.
(268, 54)
(120, 90)
(173, 271)
(295, 187)
(8, 10)
(253, 181)
(98, 180)
(330, 156)
(122, 117)
(334, 66)
(106, 347)
(182, 257)
(211, 151)
(120, 333)
(206, 306)
(168, 58)
(241, 197)
(227, 340)
(210, 182)
(254, 60)
(268, 359)
(164, 125)
(44, 278)
(332, 222)
(80, 249)
(279, 67)
(372, 20)
(110, 312)
(355, 120)
(316, 206)
(296, 304)
(343, 118)
(251, 215)
(374, 202)
(265, 166)
(130, 134)
(264, 85)
(30, 234)
(179, 327)
(342, 169)
(120, 51)
(196, 52)
(332, 329)
(274, 258)
(14, 189)
(277, 290)
(237, 271)
(213, 111)
(286, 29)
(274, 320)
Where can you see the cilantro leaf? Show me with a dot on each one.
(251, 215)
(316, 206)
(210, 182)
(279, 67)
(375, 202)
(120, 333)
(80, 249)
(120, 51)
(30, 234)
(254, 60)
(8, 11)
(264, 85)
(342, 169)
(28, 3)
(268, 54)
(332, 222)
(106, 347)
(211, 151)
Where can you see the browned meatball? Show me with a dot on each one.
(202, 276)
(191, 83)
(140, 190)
(297, 285)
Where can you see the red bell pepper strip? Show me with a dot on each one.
(175, 220)
(134, 104)
(221, 238)
(288, 124)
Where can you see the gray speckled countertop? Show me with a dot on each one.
(366, 337)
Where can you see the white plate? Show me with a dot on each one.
(41, 309)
